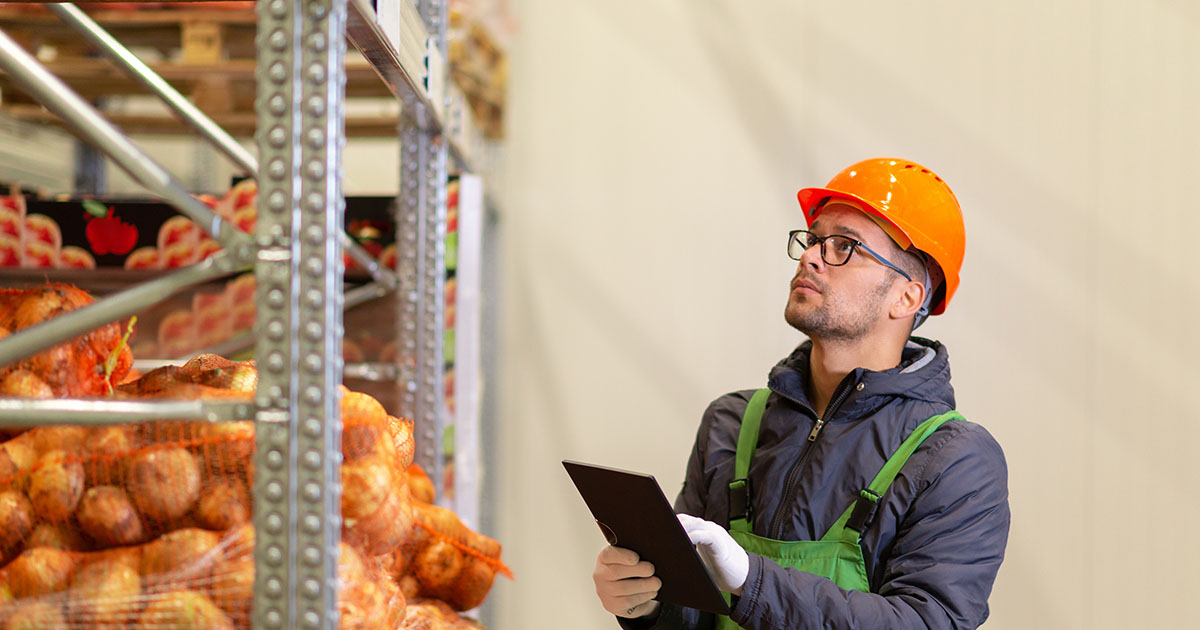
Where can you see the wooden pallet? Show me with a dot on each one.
(208, 55)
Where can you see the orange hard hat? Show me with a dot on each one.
(911, 203)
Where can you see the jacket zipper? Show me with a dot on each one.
(792, 484)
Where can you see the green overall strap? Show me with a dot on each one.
(850, 525)
(739, 488)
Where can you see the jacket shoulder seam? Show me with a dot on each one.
(936, 448)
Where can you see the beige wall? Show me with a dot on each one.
(655, 148)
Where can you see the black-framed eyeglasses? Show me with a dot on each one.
(835, 249)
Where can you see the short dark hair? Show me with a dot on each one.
(911, 260)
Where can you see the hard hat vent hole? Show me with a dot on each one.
(939, 179)
(908, 166)
(925, 170)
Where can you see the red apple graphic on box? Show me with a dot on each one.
(243, 194)
(106, 233)
(178, 255)
(10, 251)
(177, 333)
(43, 229)
(245, 219)
(178, 230)
(40, 255)
(10, 222)
(143, 258)
(73, 257)
(241, 289)
(243, 316)
(207, 247)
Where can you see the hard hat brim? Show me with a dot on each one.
(812, 200)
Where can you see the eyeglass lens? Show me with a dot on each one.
(835, 249)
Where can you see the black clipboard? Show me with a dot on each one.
(633, 513)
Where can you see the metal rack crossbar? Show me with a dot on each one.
(16, 412)
(29, 341)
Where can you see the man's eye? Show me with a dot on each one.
(842, 245)
(813, 240)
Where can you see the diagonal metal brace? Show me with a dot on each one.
(29, 341)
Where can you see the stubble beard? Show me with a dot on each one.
(836, 321)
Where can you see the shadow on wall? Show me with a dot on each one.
(603, 315)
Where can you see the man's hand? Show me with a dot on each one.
(725, 560)
(626, 585)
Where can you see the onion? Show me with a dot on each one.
(189, 551)
(107, 516)
(183, 610)
(36, 616)
(40, 571)
(164, 484)
(437, 566)
(16, 520)
(108, 453)
(56, 486)
(222, 505)
(58, 536)
(104, 594)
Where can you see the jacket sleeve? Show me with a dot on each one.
(941, 565)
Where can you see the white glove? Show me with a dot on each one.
(726, 561)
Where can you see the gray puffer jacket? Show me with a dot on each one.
(937, 538)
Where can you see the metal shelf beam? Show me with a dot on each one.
(401, 64)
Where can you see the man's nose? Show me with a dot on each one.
(812, 258)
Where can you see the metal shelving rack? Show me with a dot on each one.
(296, 254)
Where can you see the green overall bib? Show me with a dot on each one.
(837, 554)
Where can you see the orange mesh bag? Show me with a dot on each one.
(126, 484)
(431, 614)
(376, 505)
(162, 510)
(420, 485)
(185, 580)
(88, 365)
(169, 503)
(446, 560)
(377, 450)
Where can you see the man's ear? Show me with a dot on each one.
(909, 301)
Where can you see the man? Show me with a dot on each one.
(848, 493)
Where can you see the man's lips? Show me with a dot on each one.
(806, 285)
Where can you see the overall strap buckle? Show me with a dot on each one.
(864, 510)
(739, 499)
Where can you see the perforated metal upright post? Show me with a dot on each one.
(422, 231)
(301, 85)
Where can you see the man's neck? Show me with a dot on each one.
(829, 363)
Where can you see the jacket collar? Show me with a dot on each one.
(923, 374)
